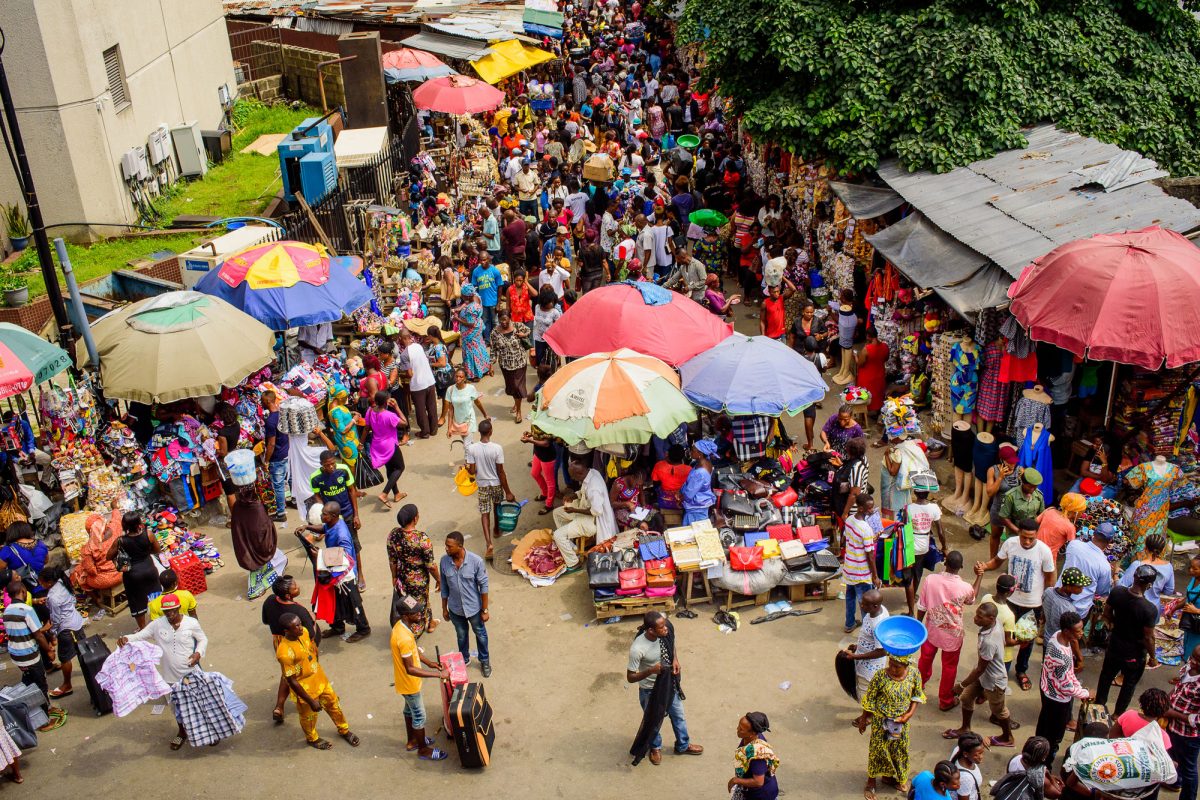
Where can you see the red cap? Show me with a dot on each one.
(1008, 453)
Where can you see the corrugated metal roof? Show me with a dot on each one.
(449, 46)
(1021, 204)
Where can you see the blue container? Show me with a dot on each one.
(403, 250)
(901, 636)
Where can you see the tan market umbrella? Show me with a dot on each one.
(178, 345)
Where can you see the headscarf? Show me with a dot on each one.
(1072, 503)
(467, 290)
(706, 446)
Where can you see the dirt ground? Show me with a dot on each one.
(564, 715)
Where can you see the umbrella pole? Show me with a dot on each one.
(1112, 388)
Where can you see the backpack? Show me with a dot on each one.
(1027, 785)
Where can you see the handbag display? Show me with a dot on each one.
(660, 572)
(602, 570)
(754, 537)
(770, 548)
(745, 559)
(781, 533)
(631, 582)
(653, 547)
(809, 533)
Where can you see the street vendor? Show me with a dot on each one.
(589, 513)
(697, 491)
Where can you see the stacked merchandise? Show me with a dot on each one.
(1139, 405)
(104, 485)
(70, 413)
(298, 417)
(177, 542)
(1101, 510)
(123, 451)
(74, 533)
(1185, 495)
(940, 380)
(1168, 638)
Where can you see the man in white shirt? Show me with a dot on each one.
(513, 165)
(867, 654)
(485, 460)
(553, 276)
(527, 184)
(664, 246)
(586, 515)
(420, 385)
(1032, 564)
(645, 245)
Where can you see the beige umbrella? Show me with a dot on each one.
(178, 345)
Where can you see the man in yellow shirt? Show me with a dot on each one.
(297, 655)
(407, 672)
(170, 585)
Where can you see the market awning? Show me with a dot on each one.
(932, 259)
(542, 22)
(448, 46)
(865, 202)
(508, 58)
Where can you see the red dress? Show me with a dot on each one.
(871, 374)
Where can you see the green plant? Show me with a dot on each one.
(15, 221)
(942, 83)
(10, 282)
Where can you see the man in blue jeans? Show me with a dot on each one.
(487, 279)
(275, 453)
(465, 598)
(651, 653)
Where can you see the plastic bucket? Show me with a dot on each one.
(241, 467)
(464, 481)
(508, 513)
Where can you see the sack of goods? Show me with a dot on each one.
(1131, 767)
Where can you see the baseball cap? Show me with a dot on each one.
(170, 602)
(409, 605)
(1008, 453)
(1107, 530)
(1031, 476)
(562, 230)
(1073, 576)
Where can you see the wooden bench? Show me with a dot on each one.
(113, 599)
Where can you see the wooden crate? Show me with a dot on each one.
(738, 600)
(634, 606)
(807, 592)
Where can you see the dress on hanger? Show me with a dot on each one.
(1150, 509)
(964, 380)
(1037, 455)
(992, 404)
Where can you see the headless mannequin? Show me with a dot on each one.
(962, 478)
(968, 346)
(977, 513)
(1039, 429)
(1159, 465)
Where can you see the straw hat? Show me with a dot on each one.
(421, 326)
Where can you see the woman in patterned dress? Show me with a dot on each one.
(888, 706)
(511, 352)
(343, 427)
(410, 558)
(470, 321)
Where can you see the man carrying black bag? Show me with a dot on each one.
(654, 666)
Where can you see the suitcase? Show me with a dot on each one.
(458, 677)
(472, 717)
(92, 653)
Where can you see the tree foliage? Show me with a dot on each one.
(941, 83)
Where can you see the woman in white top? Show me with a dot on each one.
(967, 756)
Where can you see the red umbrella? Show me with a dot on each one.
(406, 64)
(457, 94)
(639, 316)
(1131, 297)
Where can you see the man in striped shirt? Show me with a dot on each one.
(26, 638)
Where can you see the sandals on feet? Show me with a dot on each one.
(429, 742)
(435, 755)
(321, 744)
(177, 743)
(350, 737)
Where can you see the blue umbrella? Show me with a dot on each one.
(302, 303)
(752, 375)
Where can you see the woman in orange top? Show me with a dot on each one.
(669, 475)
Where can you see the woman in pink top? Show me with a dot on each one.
(387, 426)
(1059, 684)
(1152, 706)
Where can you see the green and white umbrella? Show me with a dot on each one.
(26, 359)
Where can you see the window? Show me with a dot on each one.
(115, 71)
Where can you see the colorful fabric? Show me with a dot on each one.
(885, 700)
(344, 433)
(1150, 510)
(475, 357)
(991, 403)
(750, 436)
(964, 379)
(207, 708)
(130, 676)
(410, 554)
(298, 659)
(758, 750)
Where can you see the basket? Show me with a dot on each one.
(464, 481)
(508, 514)
(241, 467)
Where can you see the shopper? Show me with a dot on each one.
(1089, 558)
(421, 389)
(1059, 685)
(1131, 644)
(465, 598)
(276, 446)
(1183, 726)
(940, 606)
(485, 461)
(858, 557)
(651, 654)
(407, 673)
(297, 656)
(389, 433)
(754, 761)
(987, 681)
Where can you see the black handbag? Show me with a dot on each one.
(602, 569)
(365, 475)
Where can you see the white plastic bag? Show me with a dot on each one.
(1129, 767)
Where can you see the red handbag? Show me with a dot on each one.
(745, 559)
(785, 498)
(631, 579)
(809, 533)
(781, 533)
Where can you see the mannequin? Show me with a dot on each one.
(1032, 406)
(1155, 478)
(962, 444)
(991, 407)
(986, 454)
(1035, 452)
(964, 380)
(1160, 466)
(847, 326)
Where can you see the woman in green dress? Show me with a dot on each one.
(343, 424)
(889, 704)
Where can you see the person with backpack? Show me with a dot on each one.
(967, 755)
(942, 782)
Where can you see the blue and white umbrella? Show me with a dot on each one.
(752, 375)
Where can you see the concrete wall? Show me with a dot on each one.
(175, 55)
(300, 80)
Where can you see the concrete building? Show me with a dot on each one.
(92, 80)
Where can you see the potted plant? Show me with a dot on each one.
(17, 225)
(16, 290)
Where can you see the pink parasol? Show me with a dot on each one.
(638, 316)
(15, 377)
(457, 94)
(407, 64)
(1131, 297)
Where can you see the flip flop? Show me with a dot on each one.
(321, 744)
(950, 733)
(950, 707)
(995, 742)
(351, 738)
(435, 755)
(177, 743)
(55, 693)
(1023, 682)
(429, 742)
(277, 716)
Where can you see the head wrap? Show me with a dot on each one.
(1072, 503)
(706, 446)
(468, 290)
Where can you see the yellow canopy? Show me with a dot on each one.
(508, 58)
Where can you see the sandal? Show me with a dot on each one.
(177, 743)
(951, 733)
(869, 794)
(994, 741)
(277, 716)
(545, 511)
(1023, 681)
(436, 754)
(351, 738)
(57, 693)
(321, 744)
(429, 742)
(385, 503)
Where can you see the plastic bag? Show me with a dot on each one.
(1026, 628)
(1123, 766)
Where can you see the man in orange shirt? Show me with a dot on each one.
(1056, 526)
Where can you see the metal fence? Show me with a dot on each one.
(257, 52)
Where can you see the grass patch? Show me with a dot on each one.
(242, 186)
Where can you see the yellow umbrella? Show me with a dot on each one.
(508, 58)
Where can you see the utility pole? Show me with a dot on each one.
(40, 242)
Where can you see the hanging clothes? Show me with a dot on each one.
(207, 708)
(1150, 509)
(992, 404)
(1025, 413)
(1037, 455)
(964, 380)
(130, 676)
(1018, 369)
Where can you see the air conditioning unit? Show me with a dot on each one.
(196, 263)
(134, 165)
(303, 141)
(318, 176)
(189, 150)
(224, 95)
(159, 144)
